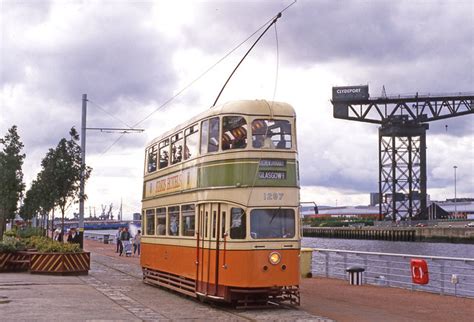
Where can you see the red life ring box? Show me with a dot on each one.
(419, 271)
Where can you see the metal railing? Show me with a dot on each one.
(448, 275)
(99, 237)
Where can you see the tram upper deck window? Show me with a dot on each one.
(210, 135)
(272, 223)
(150, 221)
(173, 221)
(237, 223)
(161, 221)
(234, 132)
(152, 158)
(164, 153)
(271, 134)
(177, 148)
(188, 217)
(191, 142)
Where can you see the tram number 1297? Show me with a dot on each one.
(273, 195)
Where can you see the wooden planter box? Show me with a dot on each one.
(60, 263)
(14, 262)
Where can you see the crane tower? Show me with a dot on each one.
(403, 123)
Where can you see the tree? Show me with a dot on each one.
(38, 199)
(11, 176)
(62, 170)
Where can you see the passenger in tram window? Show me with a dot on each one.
(179, 154)
(164, 159)
(281, 144)
(257, 141)
(240, 143)
(173, 227)
(187, 154)
(161, 229)
(226, 141)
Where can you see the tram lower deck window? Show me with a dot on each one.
(161, 221)
(150, 221)
(272, 223)
(188, 216)
(173, 221)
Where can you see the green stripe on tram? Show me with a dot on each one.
(246, 174)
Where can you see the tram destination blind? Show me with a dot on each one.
(272, 175)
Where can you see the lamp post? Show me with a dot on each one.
(455, 207)
(83, 161)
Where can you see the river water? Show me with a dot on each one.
(381, 246)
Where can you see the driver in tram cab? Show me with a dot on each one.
(268, 143)
(263, 141)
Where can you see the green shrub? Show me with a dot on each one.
(29, 232)
(47, 245)
(11, 245)
(10, 233)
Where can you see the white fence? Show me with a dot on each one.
(448, 275)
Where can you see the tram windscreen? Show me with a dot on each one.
(272, 223)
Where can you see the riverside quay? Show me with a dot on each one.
(113, 289)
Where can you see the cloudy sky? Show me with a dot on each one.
(130, 57)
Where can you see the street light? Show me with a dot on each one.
(455, 207)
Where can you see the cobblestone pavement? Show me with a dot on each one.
(122, 283)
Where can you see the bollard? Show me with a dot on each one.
(306, 259)
(106, 239)
(355, 275)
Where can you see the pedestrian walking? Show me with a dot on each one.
(136, 242)
(117, 238)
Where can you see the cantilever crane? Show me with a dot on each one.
(402, 140)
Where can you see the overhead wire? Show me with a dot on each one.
(202, 74)
(169, 100)
(212, 66)
(105, 111)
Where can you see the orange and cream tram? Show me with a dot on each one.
(220, 205)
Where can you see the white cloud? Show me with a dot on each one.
(131, 56)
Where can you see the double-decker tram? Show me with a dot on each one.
(220, 206)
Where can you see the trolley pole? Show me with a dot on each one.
(83, 166)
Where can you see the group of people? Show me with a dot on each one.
(72, 236)
(124, 238)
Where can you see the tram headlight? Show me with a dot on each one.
(274, 258)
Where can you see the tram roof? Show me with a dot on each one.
(241, 107)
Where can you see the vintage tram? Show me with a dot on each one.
(220, 206)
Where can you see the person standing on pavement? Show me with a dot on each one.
(73, 236)
(117, 238)
(124, 236)
(136, 242)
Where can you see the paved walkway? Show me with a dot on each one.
(114, 290)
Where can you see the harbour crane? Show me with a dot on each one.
(403, 123)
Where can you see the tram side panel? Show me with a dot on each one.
(241, 269)
(251, 269)
(172, 259)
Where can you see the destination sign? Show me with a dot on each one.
(272, 175)
(272, 163)
(349, 93)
